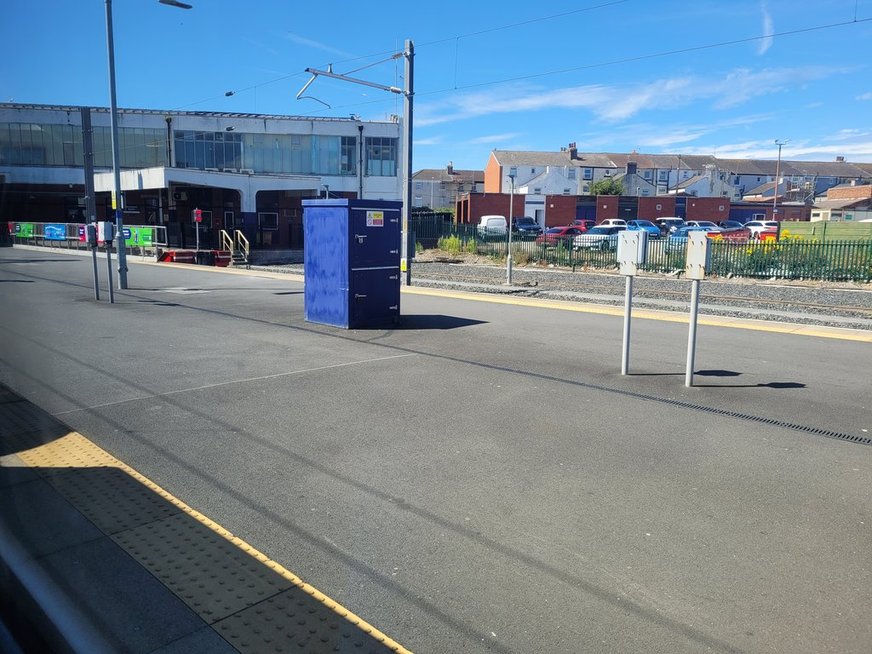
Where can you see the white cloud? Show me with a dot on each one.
(310, 43)
(620, 102)
(768, 31)
(802, 150)
(434, 140)
(495, 138)
(865, 96)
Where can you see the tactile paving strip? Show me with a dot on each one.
(294, 621)
(210, 574)
(110, 498)
(213, 571)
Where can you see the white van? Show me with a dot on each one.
(492, 226)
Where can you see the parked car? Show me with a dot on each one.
(614, 222)
(555, 235)
(730, 225)
(677, 242)
(601, 237)
(644, 225)
(668, 224)
(492, 226)
(525, 226)
(757, 226)
(584, 224)
(702, 223)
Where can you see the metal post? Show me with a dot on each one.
(117, 200)
(780, 144)
(408, 93)
(90, 203)
(511, 210)
(109, 267)
(691, 334)
(628, 310)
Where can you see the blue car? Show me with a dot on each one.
(644, 225)
(677, 242)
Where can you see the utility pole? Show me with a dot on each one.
(408, 92)
(780, 144)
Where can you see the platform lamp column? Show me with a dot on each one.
(780, 145)
(512, 173)
(117, 199)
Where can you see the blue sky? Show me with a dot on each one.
(606, 74)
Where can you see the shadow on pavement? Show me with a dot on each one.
(134, 568)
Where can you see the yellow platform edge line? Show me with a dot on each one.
(818, 331)
(57, 454)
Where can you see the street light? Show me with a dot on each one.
(512, 172)
(780, 144)
(117, 202)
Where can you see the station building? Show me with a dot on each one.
(243, 171)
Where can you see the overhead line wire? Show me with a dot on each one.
(420, 45)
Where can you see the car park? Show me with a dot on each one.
(730, 225)
(755, 227)
(668, 224)
(524, 226)
(645, 226)
(601, 237)
(492, 226)
(702, 223)
(677, 242)
(554, 236)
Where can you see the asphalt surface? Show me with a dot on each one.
(481, 478)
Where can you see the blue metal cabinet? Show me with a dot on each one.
(352, 262)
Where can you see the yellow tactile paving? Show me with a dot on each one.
(219, 575)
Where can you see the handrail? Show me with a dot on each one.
(226, 240)
(243, 243)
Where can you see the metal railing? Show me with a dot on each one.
(237, 244)
(143, 240)
(790, 258)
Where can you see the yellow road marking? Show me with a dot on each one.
(818, 331)
(76, 451)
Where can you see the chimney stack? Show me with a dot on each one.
(840, 159)
(450, 168)
(573, 152)
(632, 167)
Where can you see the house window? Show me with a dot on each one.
(644, 191)
(608, 173)
(570, 174)
(647, 174)
(532, 171)
(537, 190)
(585, 188)
(588, 173)
(419, 186)
(663, 176)
(566, 191)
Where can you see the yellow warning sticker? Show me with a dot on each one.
(375, 218)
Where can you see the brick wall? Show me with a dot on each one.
(493, 175)
(714, 209)
(559, 210)
(606, 207)
(648, 207)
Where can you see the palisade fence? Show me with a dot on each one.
(792, 258)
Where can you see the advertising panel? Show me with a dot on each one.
(55, 232)
(24, 230)
(139, 236)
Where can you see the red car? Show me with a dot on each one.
(552, 236)
(583, 224)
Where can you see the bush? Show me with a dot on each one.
(450, 244)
